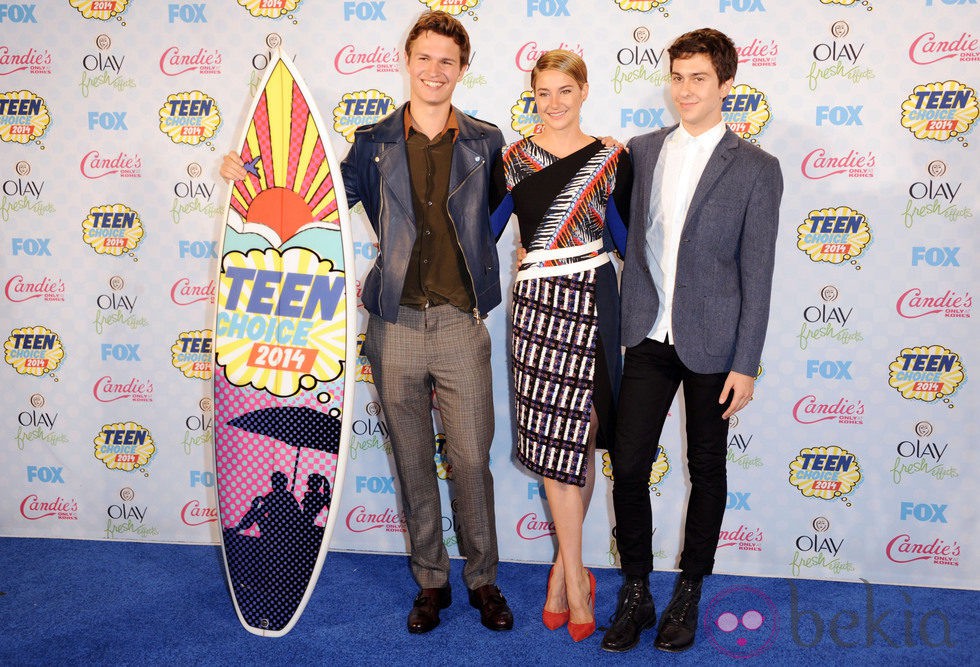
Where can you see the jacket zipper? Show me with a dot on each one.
(381, 278)
(449, 214)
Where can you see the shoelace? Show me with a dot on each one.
(679, 613)
(632, 598)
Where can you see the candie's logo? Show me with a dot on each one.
(95, 165)
(33, 508)
(174, 62)
(33, 350)
(904, 549)
(277, 329)
(644, 6)
(940, 110)
(185, 293)
(819, 164)
(914, 303)
(362, 107)
(351, 60)
(108, 390)
(758, 53)
(454, 7)
(269, 9)
(927, 48)
(834, 235)
(193, 513)
(810, 410)
(192, 354)
(19, 289)
(189, 117)
(529, 52)
(825, 472)
(112, 229)
(359, 520)
(746, 111)
(926, 373)
(24, 117)
(124, 446)
(32, 61)
(100, 10)
(524, 118)
(532, 527)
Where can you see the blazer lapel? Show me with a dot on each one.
(647, 168)
(720, 160)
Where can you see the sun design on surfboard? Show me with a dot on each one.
(286, 191)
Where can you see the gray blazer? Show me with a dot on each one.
(725, 261)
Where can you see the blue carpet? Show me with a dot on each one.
(70, 602)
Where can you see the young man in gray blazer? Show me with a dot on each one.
(695, 306)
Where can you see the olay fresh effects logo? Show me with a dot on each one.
(914, 303)
(19, 288)
(529, 52)
(940, 111)
(124, 446)
(108, 389)
(838, 59)
(812, 410)
(128, 519)
(190, 118)
(361, 107)
(820, 163)
(31, 61)
(117, 308)
(193, 513)
(524, 118)
(193, 354)
(193, 195)
(100, 10)
(921, 456)
(33, 508)
(640, 63)
(644, 6)
(199, 431)
(758, 53)
(101, 69)
(746, 111)
(174, 61)
(352, 60)
(389, 520)
(20, 193)
(927, 373)
(929, 48)
(269, 9)
(835, 235)
(186, 293)
(826, 321)
(934, 197)
(738, 446)
(24, 117)
(904, 549)
(95, 165)
(826, 473)
(33, 350)
(819, 550)
(37, 425)
(532, 527)
(113, 229)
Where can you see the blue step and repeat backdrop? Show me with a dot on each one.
(854, 462)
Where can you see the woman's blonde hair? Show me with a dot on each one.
(562, 61)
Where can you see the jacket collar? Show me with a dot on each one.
(391, 128)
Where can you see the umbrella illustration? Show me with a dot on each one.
(296, 426)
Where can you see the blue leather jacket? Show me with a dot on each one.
(375, 173)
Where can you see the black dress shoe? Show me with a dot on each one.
(680, 619)
(425, 610)
(634, 614)
(494, 612)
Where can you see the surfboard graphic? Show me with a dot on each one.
(285, 357)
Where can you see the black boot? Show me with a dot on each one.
(634, 614)
(680, 619)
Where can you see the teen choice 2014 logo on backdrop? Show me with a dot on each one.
(834, 235)
(277, 328)
(101, 10)
(24, 117)
(825, 472)
(643, 5)
(524, 118)
(746, 111)
(269, 9)
(454, 7)
(849, 3)
(112, 229)
(926, 373)
(940, 111)
(124, 446)
(361, 107)
(189, 118)
(33, 350)
(192, 354)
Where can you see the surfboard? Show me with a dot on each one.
(285, 359)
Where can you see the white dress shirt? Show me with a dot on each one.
(678, 171)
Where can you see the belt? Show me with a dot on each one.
(583, 258)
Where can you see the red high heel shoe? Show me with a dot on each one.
(580, 631)
(554, 619)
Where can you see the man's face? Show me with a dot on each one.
(434, 69)
(697, 93)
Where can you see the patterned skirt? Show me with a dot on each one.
(554, 359)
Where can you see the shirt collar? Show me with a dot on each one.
(451, 123)
(706, 140)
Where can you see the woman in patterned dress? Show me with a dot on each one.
(565, 346)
